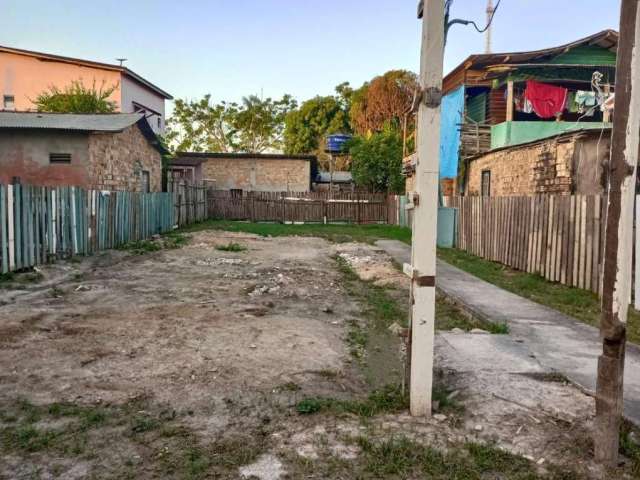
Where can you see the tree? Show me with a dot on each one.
(306, 126)
(254, 125)
(376, 161)
(77, 98)
(383, 101)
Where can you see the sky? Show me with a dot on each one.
(234, 48)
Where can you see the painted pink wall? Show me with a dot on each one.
(25, 77)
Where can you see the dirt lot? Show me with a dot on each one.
(202, 363)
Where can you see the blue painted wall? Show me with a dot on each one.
(452, 107)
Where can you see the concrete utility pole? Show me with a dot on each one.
(618, 236)
(425, 204)
(487, 34)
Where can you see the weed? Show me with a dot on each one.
(231, 247)
(175, 240)
(388, 399)
(630, 446)
(141, 247)
(56, 292)
(144, 423)
(289, 387)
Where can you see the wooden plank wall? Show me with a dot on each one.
(558, 237)
(41, 224)
(190, 201)
(304, 207)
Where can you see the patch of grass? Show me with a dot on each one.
(56, 292)
(289, 387)
(449, 316)
(175, 240)
(386, 400)
(401, 457)
(13, 279)
(580, 304)
(334, 233)
(141, 247)
(630, 446)
(144, 423)
(231, 247)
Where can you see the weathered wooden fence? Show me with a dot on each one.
(40, 224)
(307, 207)
(190, 201)
(558, 237)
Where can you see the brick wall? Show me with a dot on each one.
(116, 161)
(256, 174)
(544, 167)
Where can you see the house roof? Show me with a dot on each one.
(262, 156)
(606, 39)
(338, 177)
(88, 63)
(104, 122)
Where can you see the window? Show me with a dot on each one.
(486, 183)
(59, 158)
(9, 102)
(144, 180)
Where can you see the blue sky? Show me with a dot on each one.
(232, 48)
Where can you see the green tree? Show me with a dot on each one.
(254, 125)
(376, 161)
(77, 98)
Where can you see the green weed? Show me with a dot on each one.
(231, 247)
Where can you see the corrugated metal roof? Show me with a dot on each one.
(338, 177)
(107, 122)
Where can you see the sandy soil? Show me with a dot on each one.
(229, 342)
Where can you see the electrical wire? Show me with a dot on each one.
(448, 23)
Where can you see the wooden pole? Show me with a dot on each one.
(425, 201)
(509, 100)
(618, 237)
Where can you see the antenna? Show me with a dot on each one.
(487, 36)
(121, 60)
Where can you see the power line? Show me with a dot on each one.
(448, 23)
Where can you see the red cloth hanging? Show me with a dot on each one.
(547, 100)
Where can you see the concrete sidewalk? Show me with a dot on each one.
(558, 342)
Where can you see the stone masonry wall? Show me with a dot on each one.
(544, 167)
(256, 174)
(116, 161)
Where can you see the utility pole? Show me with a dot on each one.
(618, 237)
(487, 34)
(425, 205)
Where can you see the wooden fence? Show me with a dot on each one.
(190, 201)
(40, 224)
(303, 207)
(558, 237)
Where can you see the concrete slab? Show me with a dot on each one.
(558, 342)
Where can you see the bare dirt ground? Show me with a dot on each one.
(192, 363)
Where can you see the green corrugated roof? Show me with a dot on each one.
(585, 55)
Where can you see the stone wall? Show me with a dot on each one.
(116, 161)
(545, 167)
(258, 174)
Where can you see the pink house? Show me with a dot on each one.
(25, 74)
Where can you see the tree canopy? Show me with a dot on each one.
(383, 101)
(77, 98)
(254, 125)
(306, 126)
(376, 161)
